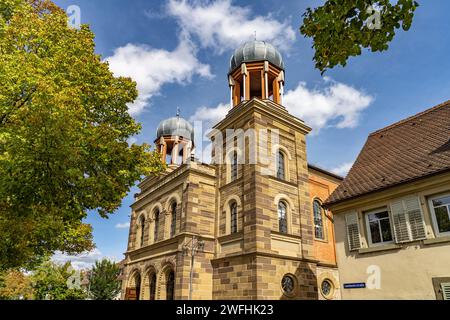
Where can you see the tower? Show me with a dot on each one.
(256, 71)
(264, 231)
(175, 140)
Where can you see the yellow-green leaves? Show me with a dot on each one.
(64, 126)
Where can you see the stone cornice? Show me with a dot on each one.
(166, 242)
(266, 107)
(264, 254)
(175, 175)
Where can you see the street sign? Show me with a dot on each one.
(359, 285)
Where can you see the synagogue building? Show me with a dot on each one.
(250, 225)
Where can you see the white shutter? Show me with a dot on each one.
(399, 221)
(352, 225)
(408, 220)
(415, 218)
(445, 287)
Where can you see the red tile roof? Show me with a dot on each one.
(408, 150)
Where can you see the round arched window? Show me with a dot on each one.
(282, 217)
(327, 288)
(288, 284)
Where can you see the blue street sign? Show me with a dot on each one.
(360, 285)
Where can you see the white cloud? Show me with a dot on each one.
(152, 68)
(132, 140)
(124, 225)
(343, 169)
(210, 116)
(222, 25)
(336, 105)
(83, 261)
(204, 119)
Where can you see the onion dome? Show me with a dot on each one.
(256, 51)
(175, 126)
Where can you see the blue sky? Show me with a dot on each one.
(179, 51)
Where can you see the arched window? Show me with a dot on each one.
(234, 166)
(142, 234)
(156, 233)
(137, 280)
(318, 220)
(282, 217)
(234, 217)
(173, 222)
(170, 285)
(281, 173)
(153, 286)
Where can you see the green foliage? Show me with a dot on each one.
(341, 28)
(7, 8)
(15, 285)
(50, 282)
(64, 127)
(103, 281)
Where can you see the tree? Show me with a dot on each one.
(104, 283)
(64, 127)
(50, 282)
(15, 285)
(342, 28)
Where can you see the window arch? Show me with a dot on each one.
(153, 286)
(281, 165)
(281, 157)
(282, 217)
(138, 286)
(156, 222)
(234, 217)
(234, 166)
(318, 220)
(141, 231)
(133, 291)
(170, 285)
(173, 221)
(231, 219)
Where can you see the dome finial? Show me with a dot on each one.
(178, 112)
(255, 35)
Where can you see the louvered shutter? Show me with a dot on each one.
(415, 218)
(399, 221)
(352, 225)
(445, 287)
(408, 220)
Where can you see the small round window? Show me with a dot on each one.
(327, 288)
(288, 285)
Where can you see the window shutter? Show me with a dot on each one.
(408, 220)
(445, 287)
(400, 223)
(354, 242)
(415, 218)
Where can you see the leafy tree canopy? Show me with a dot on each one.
(342, 28)
(50, 282)
(104, 283)
(15, 285)
(64, 127)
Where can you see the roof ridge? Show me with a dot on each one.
(398, 123)
(325, 171)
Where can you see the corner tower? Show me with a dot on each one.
(175, 140)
